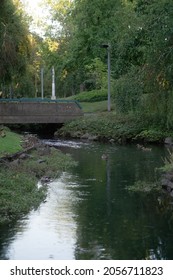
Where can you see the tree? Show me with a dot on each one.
(14, 43)
(157, 30)
(84, 26)
(140, 34)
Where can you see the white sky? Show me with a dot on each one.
(33, 6)
(35, 9)
(41, 17)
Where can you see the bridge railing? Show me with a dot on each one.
(39, 100)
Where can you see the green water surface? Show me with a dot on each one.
(89, 213)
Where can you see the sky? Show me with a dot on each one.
(35, 9)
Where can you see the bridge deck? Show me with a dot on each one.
(27, 110)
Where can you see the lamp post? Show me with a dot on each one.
(53, 84)
(42, 82)
(108, 47)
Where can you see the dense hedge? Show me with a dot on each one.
(91, 96)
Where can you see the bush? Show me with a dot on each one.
(127, 92)
(151, 135)
(91, 96)
(105, 126)
(18, 181)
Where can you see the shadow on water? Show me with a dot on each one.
(7, 234)
(89, 214)
(119, 224)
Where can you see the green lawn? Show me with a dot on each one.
(94, 107)
(11, 143)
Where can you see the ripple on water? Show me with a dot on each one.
(66, 143)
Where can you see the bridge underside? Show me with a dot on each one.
(20, 111)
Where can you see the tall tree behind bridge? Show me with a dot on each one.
(14, 43)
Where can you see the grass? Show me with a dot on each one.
(95, 107)
(18, 195)
(51, 164)
(105, 126)
(91, 96)
(10, 143)
(18, 182)
(92, 101)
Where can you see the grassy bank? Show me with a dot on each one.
(98, 124)
(18, 178)
(88, 107)
(10, 142)
(110, 126)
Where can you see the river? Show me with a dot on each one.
(89, 213)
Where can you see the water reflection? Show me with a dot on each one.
(48, 230)
(90, 215)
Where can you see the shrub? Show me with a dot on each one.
(91, 96)
(150, 135)
(127, 92)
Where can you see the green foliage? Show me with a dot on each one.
(13, 43)
(91, 96)
(105, 126)
(97, 72)
(11, 143)
(51, 165)
(169, 111)
(150, 135)
(157, 26)
(18, 182)
(140, 35)
(144, 187)
(168, 162)
(18, 195)
(127, 92)
(26, 87)
(93, 107)
(80, 58)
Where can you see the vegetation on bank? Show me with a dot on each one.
(91, 96)
(163, 184)
(145, 187)
(101, 125)
(10, 142)
(94, 107)
(19, 192)
(111, 126)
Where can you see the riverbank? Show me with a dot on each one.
(10, 142)
(21, 171)
(110, 127)
(113, 128)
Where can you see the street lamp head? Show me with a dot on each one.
(105, 46)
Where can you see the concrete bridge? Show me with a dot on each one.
(16, 111)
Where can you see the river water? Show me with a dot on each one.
(89, 213)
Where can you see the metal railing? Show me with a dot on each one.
(38, 100)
